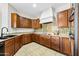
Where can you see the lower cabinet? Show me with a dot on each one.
(41, 40)
(26, 38)
(61, 44)
(47, 42)
(68, 46)
(17, 43)
(37, 39)
(55, 42)
(9, 47)
(12, 45)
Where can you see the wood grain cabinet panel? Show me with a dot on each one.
(25, 22)
(36, 24)
(61, 44)
(17, 43)
(15, 20)
(9, 47)
(42, 40)
(55, 42)
(62, 19)
(33, 37)
(47, 42)
(26, 38)
(68, 46)
(37, 39)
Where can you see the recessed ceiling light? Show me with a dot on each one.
(34, 5)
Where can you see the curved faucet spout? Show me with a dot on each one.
(2, 30)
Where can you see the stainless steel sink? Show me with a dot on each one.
(10, 35)
(7, 36)
(3, 37)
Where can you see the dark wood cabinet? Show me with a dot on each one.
(44, 40)
(36, 24)
(68, 46)
(15, 20)
(37, 39)
(17, 43)
(47, 41)
(33, 37)
(20, 22)
(25, 22)
(61, 46)
(55, 42)
(62, 19)
(26, 38)
(41, 40)
(9, 47)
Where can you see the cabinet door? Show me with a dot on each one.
(72, 18)
(47, 42)
(36, 24)
(66, 46)
(37, 39)
(61, 45)
(62, 20)
(33, 37)
(17, 43)
(55, 43)
(15, 20)
(25, 23)
(42, 40)
(9, 47)
(27, 38)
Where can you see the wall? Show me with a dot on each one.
(0, 20)
(11, 9)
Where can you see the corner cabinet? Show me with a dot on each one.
(36, 24)
(62, 19)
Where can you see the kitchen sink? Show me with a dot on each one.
(3, 37)
(10, 35)
(7, 36)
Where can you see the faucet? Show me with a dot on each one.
(2, 31)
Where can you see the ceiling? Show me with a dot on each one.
(28, 9)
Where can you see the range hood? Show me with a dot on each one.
(47, 16)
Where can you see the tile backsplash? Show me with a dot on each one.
(52, 28)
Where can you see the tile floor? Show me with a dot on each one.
(34, 49)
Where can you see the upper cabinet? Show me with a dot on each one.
(36, 24)
(22, 22)
(15, 20)
(62, 19)
(72, 17)
(25, 22)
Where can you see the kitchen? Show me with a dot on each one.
(35, 27)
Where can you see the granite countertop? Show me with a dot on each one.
(16, 34)
(40, 33)
(51, 34)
